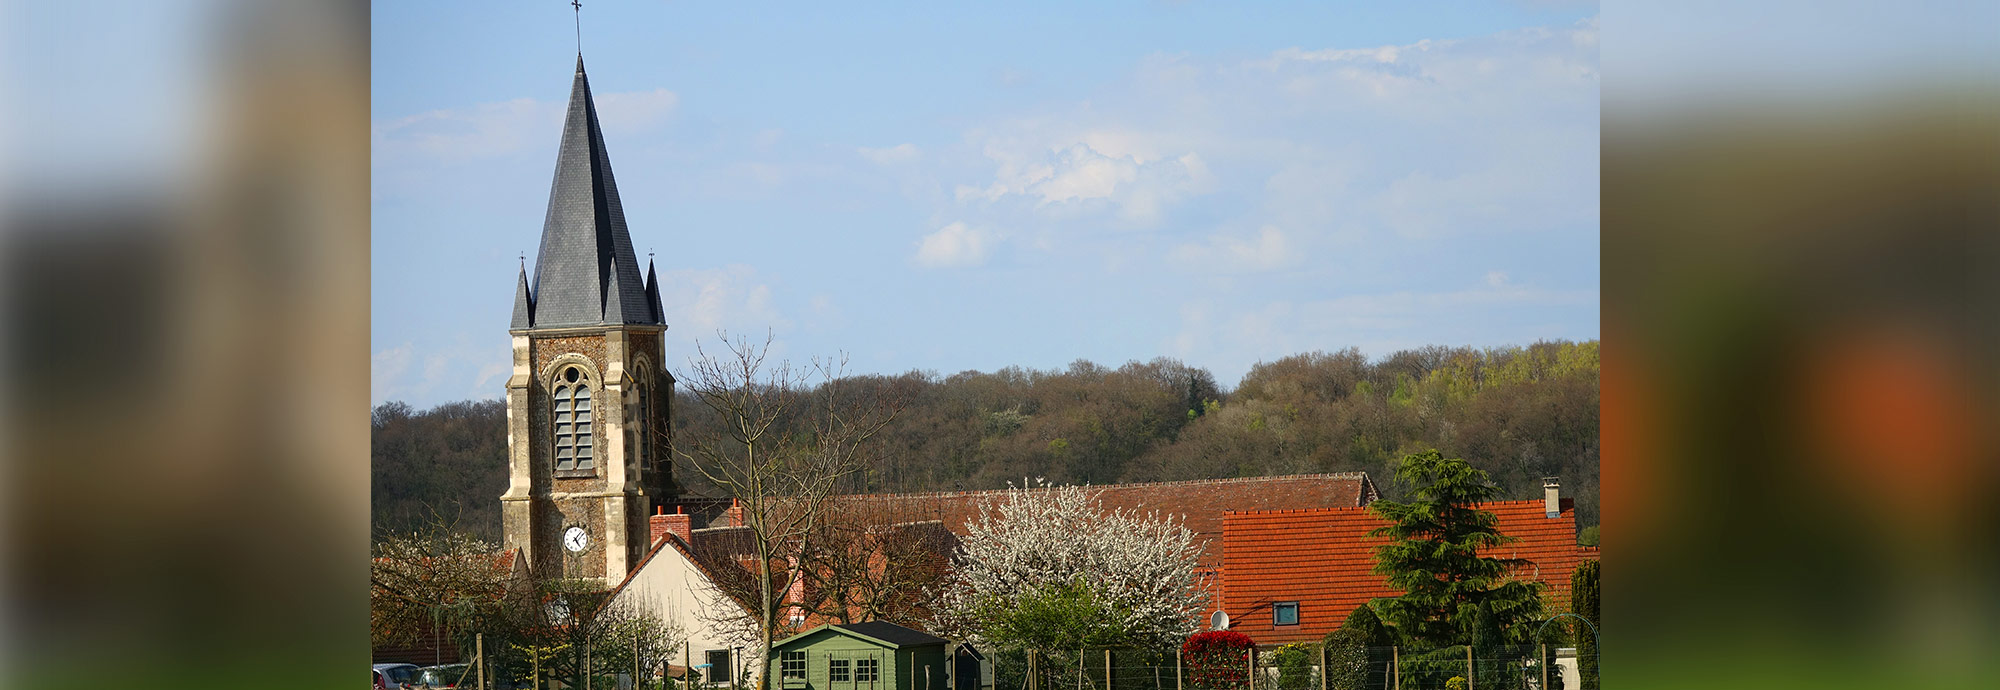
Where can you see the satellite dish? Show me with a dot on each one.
(1218, 620)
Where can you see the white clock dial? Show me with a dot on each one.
(575, 539)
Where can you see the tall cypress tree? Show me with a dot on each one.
(1583, 602)
(1452, 595)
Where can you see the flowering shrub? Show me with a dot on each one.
(1217, 659)
(1455, 683)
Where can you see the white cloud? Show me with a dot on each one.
(1064, 176)
(699, 302)
(1231, 334)
(489, 130)
(900, 153)
(387, 372)
(631, 112)
(480, 131)
(490, 378)
(1269, 249)
(954, 245)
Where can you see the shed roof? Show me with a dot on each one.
(883, 633)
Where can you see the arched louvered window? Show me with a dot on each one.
(571, 399)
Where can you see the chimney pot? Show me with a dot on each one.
(664, 524)
(1552, 497)
(735, 513)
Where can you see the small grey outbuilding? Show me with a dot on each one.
(860, 656)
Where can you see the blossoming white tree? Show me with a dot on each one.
(1048, 567)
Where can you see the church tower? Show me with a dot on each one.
(587, 405)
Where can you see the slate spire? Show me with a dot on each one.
(585, 273)
(653, 292)
(524, 310)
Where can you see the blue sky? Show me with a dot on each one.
(946, 187)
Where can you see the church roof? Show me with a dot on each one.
(586, 273)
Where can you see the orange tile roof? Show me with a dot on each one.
(1322, 559)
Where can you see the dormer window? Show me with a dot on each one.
(575, 452)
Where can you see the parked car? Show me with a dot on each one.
(446, 676)
(395, 676)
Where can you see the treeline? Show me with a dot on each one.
(446, 463)
(1520, 413)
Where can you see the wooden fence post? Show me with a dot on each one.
(1322, 666)
(1107, 668)
(479, 654)
(1034, 679)
(1469, 676)
(1178, 684)
(1396, 660)
(1250, 681)
(1543, 661)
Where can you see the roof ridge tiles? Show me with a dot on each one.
(1178, 482)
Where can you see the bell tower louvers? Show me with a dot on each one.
(587, 403)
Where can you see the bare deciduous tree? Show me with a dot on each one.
(789, 437)
(872, 559)
(569, 629)
(432, 584)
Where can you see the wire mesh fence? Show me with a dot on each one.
(1303, 666)
(1294, 667)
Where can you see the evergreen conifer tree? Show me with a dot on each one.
(1452, 595)
(1583, 602)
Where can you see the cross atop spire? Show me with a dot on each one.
(577, 7)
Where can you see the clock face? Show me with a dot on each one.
(575, 539)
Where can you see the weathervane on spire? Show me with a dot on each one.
(577, 7)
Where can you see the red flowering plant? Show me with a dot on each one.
(1218, 659)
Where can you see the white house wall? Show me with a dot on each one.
(672, 588)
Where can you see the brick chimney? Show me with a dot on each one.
(1552, 497)
(677, 523)
(735, 513)
(795, 615)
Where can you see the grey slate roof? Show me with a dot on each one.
(586, 272)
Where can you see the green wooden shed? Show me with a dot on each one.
(860, 656)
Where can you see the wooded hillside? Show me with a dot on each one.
(1520, 413)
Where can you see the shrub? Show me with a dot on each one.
(1295, 666)
(1217, 659)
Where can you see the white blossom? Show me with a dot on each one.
(1144, 568)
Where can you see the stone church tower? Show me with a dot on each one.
(587, 405)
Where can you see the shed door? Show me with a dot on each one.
(856, 670)
(965, 674)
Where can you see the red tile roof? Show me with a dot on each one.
(1322, 559)
(1200, 504)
